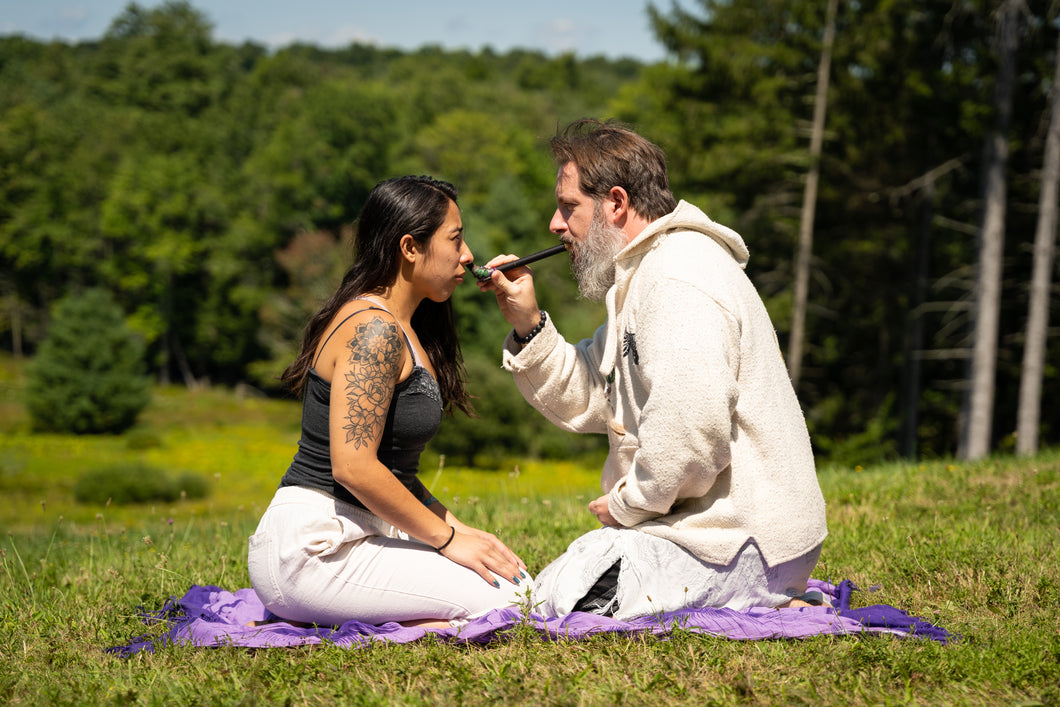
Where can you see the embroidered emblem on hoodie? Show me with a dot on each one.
(629, 348)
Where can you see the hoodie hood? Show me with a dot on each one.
(687, 217)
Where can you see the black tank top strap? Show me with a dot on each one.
(339, 326)
(408, 342)
(378, 308)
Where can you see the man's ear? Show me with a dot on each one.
(617, 206)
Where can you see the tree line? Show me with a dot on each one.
(212, 190)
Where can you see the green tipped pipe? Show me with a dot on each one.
(483, 272)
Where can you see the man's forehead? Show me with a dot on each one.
(567, 181)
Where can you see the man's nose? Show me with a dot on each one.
(557, 225)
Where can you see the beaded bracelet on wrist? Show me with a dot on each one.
(524, 340)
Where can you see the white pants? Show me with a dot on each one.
(316, 559)
(657, 575)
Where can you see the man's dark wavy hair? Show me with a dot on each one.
(609, 154)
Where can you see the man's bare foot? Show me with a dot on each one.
(426, 623)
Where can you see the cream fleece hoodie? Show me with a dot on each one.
(708, 444)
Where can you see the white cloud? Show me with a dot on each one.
(341, 36)
(73, 15)
(560, 34)
(561, 25)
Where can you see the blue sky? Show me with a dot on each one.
(618, 28)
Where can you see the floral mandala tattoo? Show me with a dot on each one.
(375, 363)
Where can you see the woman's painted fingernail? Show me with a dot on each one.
(522, 574)
(496, 583)
(515, 579)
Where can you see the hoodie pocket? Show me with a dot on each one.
(618, 463)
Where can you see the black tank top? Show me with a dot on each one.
(413, 419)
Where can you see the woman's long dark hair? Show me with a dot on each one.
(416, 206)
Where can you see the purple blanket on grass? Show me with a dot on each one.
(210, 617)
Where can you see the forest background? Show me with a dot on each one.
(212, 189)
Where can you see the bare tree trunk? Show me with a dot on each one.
(1041, 282)
(182, 363)
(922, 190)
(975, 439)
(911, 371)
(15, 306)
(809, 201)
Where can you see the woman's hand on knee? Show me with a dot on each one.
(492, 539)
(487, 556)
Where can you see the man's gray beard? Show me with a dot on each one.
(594, 258)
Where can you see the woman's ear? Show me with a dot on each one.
(409, 248)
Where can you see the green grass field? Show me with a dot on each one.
(973, 548)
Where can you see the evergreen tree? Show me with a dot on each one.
(88, 375)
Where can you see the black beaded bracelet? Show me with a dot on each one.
(446, 543)
(524, 340)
